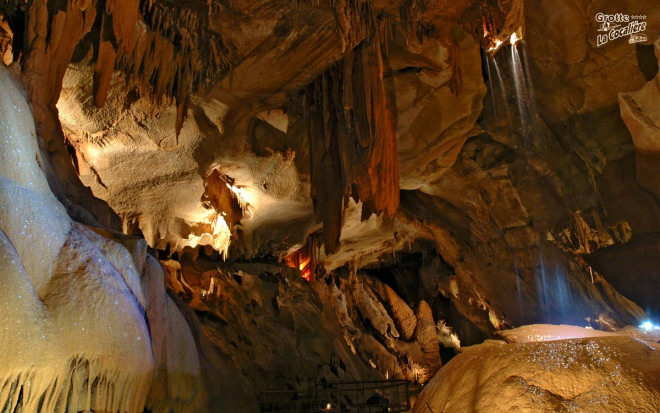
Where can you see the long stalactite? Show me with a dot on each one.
(351, 131)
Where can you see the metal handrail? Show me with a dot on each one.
(373, 396)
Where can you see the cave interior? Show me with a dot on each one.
(330, 205)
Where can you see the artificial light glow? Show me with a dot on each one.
(648, 326)
(496, 46)
(217, 234)
(301, 261)
(328, 407)
(514, 39)
(91, 153)
(247, 196)
(304, 268)
(240, 194)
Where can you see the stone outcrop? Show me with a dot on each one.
(614, 374)
(639, 111)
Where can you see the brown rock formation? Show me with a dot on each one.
(401, 312)
(427, 337)
(640, 112)
(351, 132)
(118, 23)
(218, 193)
(6, 38)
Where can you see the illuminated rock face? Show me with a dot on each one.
(603, 374)
(159, 186)
(641, 114)
(76, 336)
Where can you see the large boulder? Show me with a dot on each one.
(601, 374)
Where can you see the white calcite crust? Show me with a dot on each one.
(75, 334)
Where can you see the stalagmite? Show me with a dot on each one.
(373, 310)
(427, 337)
(403, 315)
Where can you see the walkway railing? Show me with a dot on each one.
(384, 396)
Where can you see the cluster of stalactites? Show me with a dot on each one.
(165, 59)
(350, 126)
(166, 51)
(413, 22)
(118, 21)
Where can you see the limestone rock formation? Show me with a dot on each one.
(640, 112)
(97, 359)
(82, 339)
(615, 373)
(426, 334)
(401, 312)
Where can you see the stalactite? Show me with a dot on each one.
(118, 23)
(105, 65)
(174, 55)
(489, 21)
(327, 176)
(351, 131)
(168, 58)
(51, 37)
(52, 31)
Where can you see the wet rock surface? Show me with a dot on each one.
(613, 373)
(77, 300)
